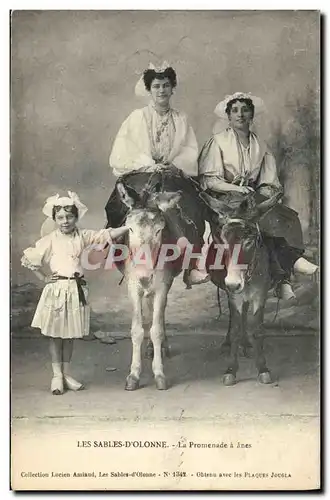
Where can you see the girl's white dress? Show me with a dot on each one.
(59, 312)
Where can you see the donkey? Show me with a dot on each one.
(149, 283)
(246, 280)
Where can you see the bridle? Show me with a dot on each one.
(257, 244)
(254, 261)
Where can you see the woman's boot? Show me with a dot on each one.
(303, 266)
(193, 275)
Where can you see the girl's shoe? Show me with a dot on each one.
(72, 384)
(56, 386)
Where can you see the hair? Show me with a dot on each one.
(246, 101)
(149, 75)
(68, 208)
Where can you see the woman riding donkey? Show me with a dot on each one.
(237, 160)
(156, 149)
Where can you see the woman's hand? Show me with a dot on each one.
(157, 167)
(118, 232)
(269, 190)
(51, 278)
(158, 159)
(245, 189)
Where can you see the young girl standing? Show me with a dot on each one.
(63, 313)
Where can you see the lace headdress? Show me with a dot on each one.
(140, 89)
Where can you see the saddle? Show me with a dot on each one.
(187, 219)
(280, 222)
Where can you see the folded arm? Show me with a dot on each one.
(268, 183)
(219, 185)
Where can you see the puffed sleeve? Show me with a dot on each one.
(210, 163)
(91, 237)
(268, 179)
(130, 148)
(34, 257)
(186, 159)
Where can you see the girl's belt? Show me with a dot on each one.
(80, 283)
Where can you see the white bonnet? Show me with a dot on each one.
(140, 89)
(64, 201)
(258, 103)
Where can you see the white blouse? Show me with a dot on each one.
(225, 157)
(146, 136)
(162, 133)
(62, 252)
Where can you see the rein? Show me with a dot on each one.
(257, 244)
(254, 261)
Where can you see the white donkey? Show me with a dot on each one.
(148, 283)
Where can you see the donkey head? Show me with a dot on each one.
(146, 219)
(235, 224)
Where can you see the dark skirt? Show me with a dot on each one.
(188, 219)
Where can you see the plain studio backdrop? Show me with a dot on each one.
(72, 84)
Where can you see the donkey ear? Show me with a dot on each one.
(167, 200)
(124, 196)
(217, 206)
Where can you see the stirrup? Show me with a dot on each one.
(72, 384)
(56, 385)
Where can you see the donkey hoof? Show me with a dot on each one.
(265, 378)
(132, 383)
(229, 379)
(161, 384)
(150, 352)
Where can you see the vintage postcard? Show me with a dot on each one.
(165, 216)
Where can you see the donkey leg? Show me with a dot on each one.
(245, 346)
(225, 346)
(229, 377)
(264, 375)
(150, 349)
(166, 349)
(149, 354)
(137, 334)
(157, 335)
